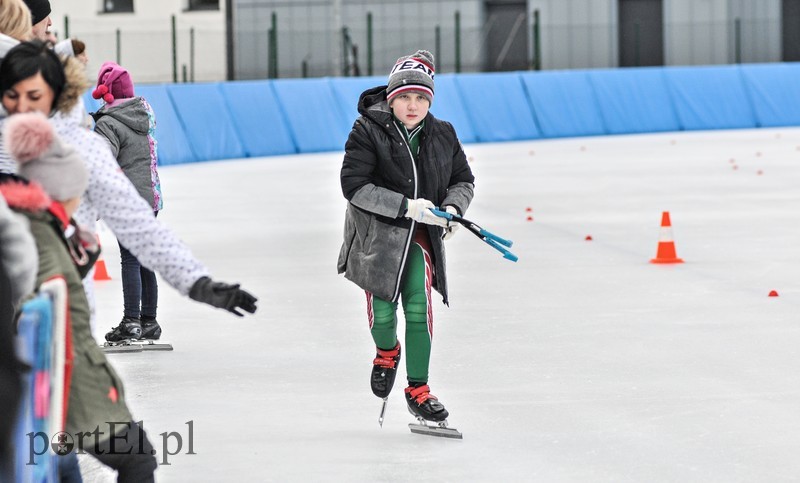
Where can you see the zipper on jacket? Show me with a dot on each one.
(413, 223)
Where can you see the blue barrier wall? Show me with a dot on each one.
(634, 100)
(313, 114)
(198, 122)
(775, 92)
(710, 97)
(257, 118)
(563, 103)
(206, 121)
(496, 107)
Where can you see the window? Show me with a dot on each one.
(117, 6)
(203, 5)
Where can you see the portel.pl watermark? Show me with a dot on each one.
(116, 433)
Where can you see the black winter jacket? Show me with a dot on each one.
(378, 175)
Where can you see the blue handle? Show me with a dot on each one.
(496, 238)
(493, 240)
(506, 254)
(441, 214)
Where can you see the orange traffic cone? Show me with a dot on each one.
(666, 247)
(100, 271)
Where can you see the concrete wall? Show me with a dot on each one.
(584, 33)
(577, 33)
(145, 37)
(760, 29)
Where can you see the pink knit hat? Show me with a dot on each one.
(113, 82)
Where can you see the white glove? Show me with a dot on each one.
(452, 226)
(418, 211)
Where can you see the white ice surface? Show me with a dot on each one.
(581, 362)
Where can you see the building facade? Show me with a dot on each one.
(314, 38)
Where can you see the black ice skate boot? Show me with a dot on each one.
(423, 404)
(384, 368)
(150, 328)
(129, 328)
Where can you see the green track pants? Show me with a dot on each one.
(415, 294)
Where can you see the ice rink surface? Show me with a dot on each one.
(581, 362)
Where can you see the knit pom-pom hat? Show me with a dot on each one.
(113, 82)
(413, 72)
(43, 158)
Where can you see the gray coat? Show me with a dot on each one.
(378, 175)
(129, 128)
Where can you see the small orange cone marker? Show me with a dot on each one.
(100, 271)
(773, 293)
(666, 247)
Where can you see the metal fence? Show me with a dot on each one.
(156, 50)
(327, 38)
(302, 39)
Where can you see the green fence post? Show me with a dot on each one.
(269, 53)
(191, 54)
(458, 41)
(274, 46)
(437, 47)
(537, 42)
(345, 42)
(174, 50)
(369, 43)
(119, 47)
(738, 39)
(230, 68)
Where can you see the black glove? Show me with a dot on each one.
(223, 295)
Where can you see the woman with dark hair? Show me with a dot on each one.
(31, 78)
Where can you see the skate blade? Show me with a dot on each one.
(136, 345)
(118, 349)
(440, 431)
(383, 411)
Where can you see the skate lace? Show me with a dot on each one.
(420, 394)
(386, 359)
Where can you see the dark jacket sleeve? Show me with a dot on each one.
(460, 189)
(360, 162)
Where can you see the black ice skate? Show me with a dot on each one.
(381, 379)
(427, 409)
(384, 369)
(150, 329)
(134, 336)
(129, 328)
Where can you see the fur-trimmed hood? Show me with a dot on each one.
(77, 84)
(24, 196)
